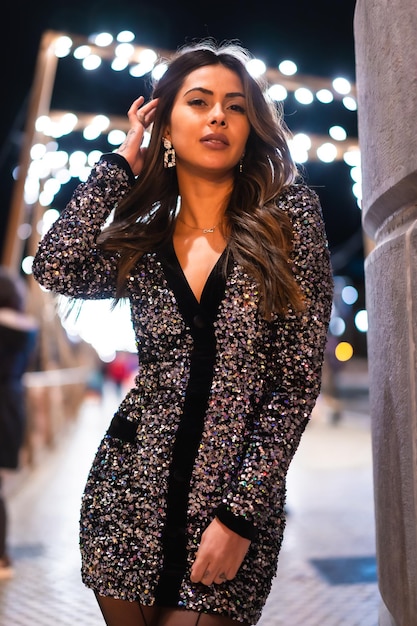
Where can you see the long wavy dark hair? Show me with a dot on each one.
(259, 233)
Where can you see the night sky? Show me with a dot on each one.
(317, 35)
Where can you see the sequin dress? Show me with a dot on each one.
(211, 425)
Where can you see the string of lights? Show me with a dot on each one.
(50, 164)
(123, 55)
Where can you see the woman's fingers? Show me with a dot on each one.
(200, 571)
(142, 113)
(146, 113)
(140, 116)
(207, 575)
(221, 578)
(219, 556)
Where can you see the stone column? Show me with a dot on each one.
(386, 68)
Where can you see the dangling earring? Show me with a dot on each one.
(169, 154)
(241, 163)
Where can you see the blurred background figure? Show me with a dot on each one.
(18, 334)
(120, 371)
(330, 388)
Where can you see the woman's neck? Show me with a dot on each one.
(203, 202)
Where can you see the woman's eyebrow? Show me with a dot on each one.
(232, 94)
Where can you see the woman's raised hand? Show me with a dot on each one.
(140, 117)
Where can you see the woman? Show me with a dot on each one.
(224, 261)
(18, 333)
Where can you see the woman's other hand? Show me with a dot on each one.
(140, 116)
(219, 556)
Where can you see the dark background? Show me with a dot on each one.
(317, 35)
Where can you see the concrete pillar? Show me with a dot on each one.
(386, 68)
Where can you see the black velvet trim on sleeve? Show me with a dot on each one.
(237, 523)
(118, 159)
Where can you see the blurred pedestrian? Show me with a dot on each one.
(118, 371)
(18, 333)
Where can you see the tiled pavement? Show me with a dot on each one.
(326, 574)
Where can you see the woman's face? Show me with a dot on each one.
(209, 126)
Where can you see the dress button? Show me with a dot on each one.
(199, 321)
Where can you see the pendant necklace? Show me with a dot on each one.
(203, 230)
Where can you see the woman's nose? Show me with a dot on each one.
(218, 116)
(219, 122)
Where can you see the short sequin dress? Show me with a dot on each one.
(216, 413)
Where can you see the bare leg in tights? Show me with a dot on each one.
(175, 617)
(124, 613)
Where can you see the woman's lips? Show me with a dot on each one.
(215, 140)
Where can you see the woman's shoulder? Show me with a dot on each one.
(300, 202)
(298, 194)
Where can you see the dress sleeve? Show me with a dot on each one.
(68, 260)
(295, 368)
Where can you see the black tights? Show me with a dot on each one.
(124, 613)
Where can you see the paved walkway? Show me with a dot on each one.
(327, 572)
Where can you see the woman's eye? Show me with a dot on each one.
(196, 102)
(238, 107)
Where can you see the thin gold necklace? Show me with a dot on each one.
(203, 230)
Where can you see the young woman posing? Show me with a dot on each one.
(222, 254)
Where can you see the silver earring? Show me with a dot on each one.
(169, 154)
(241, 165)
